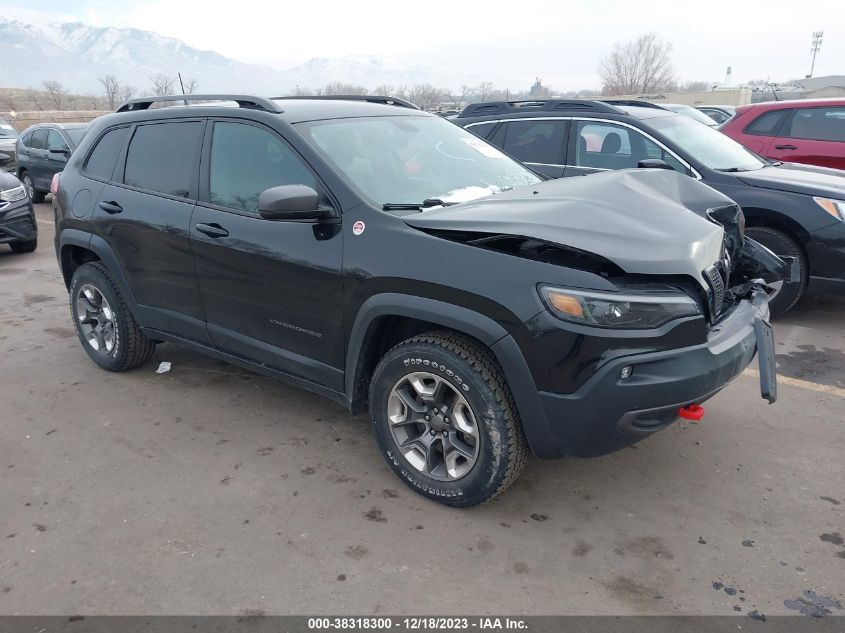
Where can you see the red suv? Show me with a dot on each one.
(811, 131)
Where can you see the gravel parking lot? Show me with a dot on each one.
(213, 490)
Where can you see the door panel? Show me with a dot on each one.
(272, 290)
(150, 236)
(38, 158)
(815, 136)
(146, 220)
(54, 163)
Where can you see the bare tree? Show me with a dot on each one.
(162, 84)
(340, 88)
(126, 93)
(190, 84)
(637, 67)
(426, 96)
(462, 96)
(483, 91)
(384, 90)
(57, 92)
(111, 85)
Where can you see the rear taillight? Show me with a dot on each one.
(54, 185)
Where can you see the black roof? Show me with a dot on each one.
(561, 107)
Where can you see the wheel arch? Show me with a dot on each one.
(387, 319)
(761, 217)
(77, 248)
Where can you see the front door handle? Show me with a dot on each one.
(111, 207)
(212, 230)
(785, 147)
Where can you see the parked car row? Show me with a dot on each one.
(18, 227)
(795, 210)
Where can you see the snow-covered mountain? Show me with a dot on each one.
(34, 50)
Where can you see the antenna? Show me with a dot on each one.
(181, 85)
(814, 49)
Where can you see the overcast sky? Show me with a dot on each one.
(559, 41)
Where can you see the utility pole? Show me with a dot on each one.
(814, 49)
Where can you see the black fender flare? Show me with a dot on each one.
(101, 248)
(461, 319)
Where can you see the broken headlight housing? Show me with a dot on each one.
(618, 310)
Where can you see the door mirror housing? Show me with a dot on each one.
(654, 163)
(291, 202)
(58, 149)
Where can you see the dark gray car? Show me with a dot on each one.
(42, 151)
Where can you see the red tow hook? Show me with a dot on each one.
(692, 412)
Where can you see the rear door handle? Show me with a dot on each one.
(111, 207)
(785, 147)
(212, 230)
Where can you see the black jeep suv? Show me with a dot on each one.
(795, 210)
(384, 257)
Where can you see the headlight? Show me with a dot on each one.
(612, 310)
(13, 195)
(836, 208)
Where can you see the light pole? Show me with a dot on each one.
(817, 44)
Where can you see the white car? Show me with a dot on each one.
(8, 138)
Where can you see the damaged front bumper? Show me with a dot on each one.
(609, 411)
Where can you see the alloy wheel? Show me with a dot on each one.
(433, 426)
(96, 319)
(27, 184)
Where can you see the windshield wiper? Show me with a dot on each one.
(411, 206)
(732, 170)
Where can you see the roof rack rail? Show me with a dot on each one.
(633, 102)
(243, 101)
(502, 107)
(369, 98)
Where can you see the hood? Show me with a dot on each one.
(646, 221)
(7, 180)
(795, 178)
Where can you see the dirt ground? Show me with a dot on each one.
(212, 490)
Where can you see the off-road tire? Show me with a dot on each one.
(29, 185)
(131, 347)
(470, 369)
(24, 247)
(782, 244)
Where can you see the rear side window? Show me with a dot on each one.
(482, 129)
(819, 124)
(101, 162)
(162, 157)
(236, 183)
(535, 141)
(26, 139)
(39, 139)
(767, 124)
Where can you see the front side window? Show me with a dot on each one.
(607, 146)
(236, 182)
(39, 139)
(482, 129)
(407, 159)
(100, 163)
(819, 124)
(535, 141)
(162, 157)
(653, 150)
(55, 139)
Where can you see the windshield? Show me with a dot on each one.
(75, 134)
(411, 159)
(708, 146)
(7, 131)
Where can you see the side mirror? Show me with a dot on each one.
(59, 149)
(654, 163)
(291, 202)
